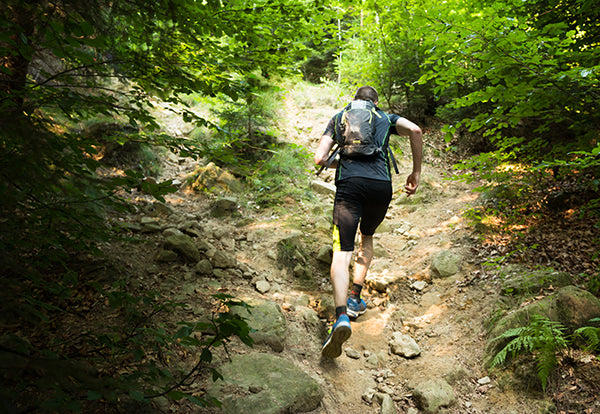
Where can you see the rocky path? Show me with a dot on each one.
(444, 317)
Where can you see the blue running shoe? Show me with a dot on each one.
(355, 308)
(341, 331)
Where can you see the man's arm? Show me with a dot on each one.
(406, 128)
(322, 152)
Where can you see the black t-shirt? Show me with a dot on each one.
(376, 167)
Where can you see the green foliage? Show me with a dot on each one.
(384, 48)
(133, 351)
(521, 79)
(542, 337)
(80, 60)
(66, 65)
(591, 336)
(243, 140)
(282, 176)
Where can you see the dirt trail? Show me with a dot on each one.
(447, 318)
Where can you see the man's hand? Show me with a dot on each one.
(412, 182)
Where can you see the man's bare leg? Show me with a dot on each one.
(363, 259)
(340, 277)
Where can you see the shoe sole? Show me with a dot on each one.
(353, 314)
(333, 347)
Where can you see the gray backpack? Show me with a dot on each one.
(355, 130)
(355, 133)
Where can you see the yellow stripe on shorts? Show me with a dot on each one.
(337, 246)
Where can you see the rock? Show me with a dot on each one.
(381, 281)
(368, 395)
(214, 179)
(323, 223)
(376, 360)
(263, 286)
(228, 243)
(207, 248)
(301, 272)
(325, 306)
(403, 345)
(419, 285)
(379, 251)
(290, 250)
(268, 322)
(311, 321)
(147, 220)
(166, 256)
(266, 384)
(402, 227)
(518, 318)
(322, 187)
(431, 395)
(150, 225)
(571, 306)
(387, 405)
(525, 281)
(302, 300)
(575, 307)
(325, 254)
(203, 267)
(184, 245)
(224, 207)
(163, 209)
(484, 381)
(223, 260)
(172, 231)
(352, 353)
(446, 263)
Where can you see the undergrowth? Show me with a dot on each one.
(546, 341)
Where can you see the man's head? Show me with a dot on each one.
(367, 93)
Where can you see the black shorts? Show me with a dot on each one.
(358, 200)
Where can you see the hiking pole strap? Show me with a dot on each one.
(330, 159)
(393, 160)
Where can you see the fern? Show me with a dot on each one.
(591, 335)
(542, 337)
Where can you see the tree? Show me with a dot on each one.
(69, 61)
(65, 63)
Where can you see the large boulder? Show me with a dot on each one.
(184, 245)
(523, 281)
(266, 384)
(576, 307)
(214, 179)
(267, 321)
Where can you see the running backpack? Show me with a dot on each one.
(355, 130)
(355, 133)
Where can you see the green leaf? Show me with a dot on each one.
(176, 395)
(93, 395)
(137, 395)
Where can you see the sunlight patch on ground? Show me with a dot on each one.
(432, 314)
(375, 326)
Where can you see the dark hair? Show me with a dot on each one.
(367, 93)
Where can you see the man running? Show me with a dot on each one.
(363, 194)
